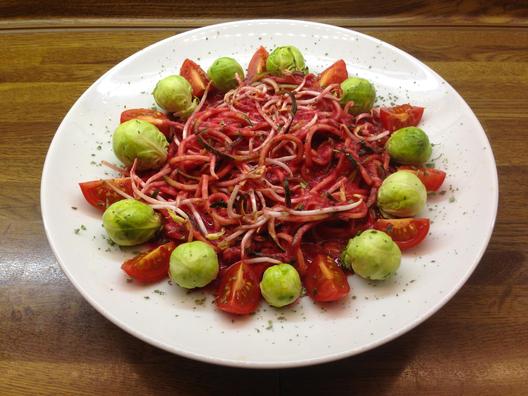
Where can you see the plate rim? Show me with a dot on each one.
(285, 363)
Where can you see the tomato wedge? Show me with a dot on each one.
(99, 194)
(257, 64)
(151, 266)
(193, 73)
(238, 292)
(324, 280)
(335, 74)
(393, 118)
(157, 118)
(405, 232)
(431, 178)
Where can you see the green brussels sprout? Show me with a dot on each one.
(174, 94)
(223, 73)
(361, 92)
(129, 222)
(372, 255)
(402, 194)
(280, 285)
(193, 264)
(409, 146)
(142, 140)
(285, 59)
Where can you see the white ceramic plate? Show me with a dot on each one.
(188, 324)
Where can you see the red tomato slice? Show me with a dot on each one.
(257, 64)
(238, 292)
(99, 194)
(431, 178)
(193, 73)
(393, 118)
(405, 232)
(335, 74)
(151, 266)
(156, 118)
(325, 281)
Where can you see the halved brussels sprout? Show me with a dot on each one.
(402, 194)
(193, 264)
(361, 92)
(286, 59)
(223, 73)
(280, 285)
(129, 222)
(372, 255)
(174, 94)
(142, 140)
(409, 145)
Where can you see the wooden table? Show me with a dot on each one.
(54, 342)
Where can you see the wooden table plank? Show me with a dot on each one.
(167, 13)
(53, 341)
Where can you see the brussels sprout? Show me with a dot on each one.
(129, 222)
(174, 94)
(142, 140)
(286, 59)
(223, 73)
(402, 194)
(361, 92)
(372, 255)
(409, 146)
(193, 264)
(280, 285)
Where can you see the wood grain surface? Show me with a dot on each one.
(53, 342)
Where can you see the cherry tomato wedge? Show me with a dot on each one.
(405, 232)
(393, 118)
(156, 118)
(99, 194)
(431, 178)
(335, 74)
(151, 266)
(238, 292)
(257, 64)
(324, 280)
(193, 73)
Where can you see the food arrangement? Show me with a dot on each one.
(258, 184)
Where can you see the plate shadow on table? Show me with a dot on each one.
(160, 371)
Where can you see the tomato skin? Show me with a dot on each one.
(393, 118)
(98, 194)
(334, 74)
(151, 266)
(238, 292)
(257, 64)
(155, 117)
(325, 281)
(193, 73)
(431, 178)
(406, 233)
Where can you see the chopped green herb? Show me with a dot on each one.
(200, 301)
